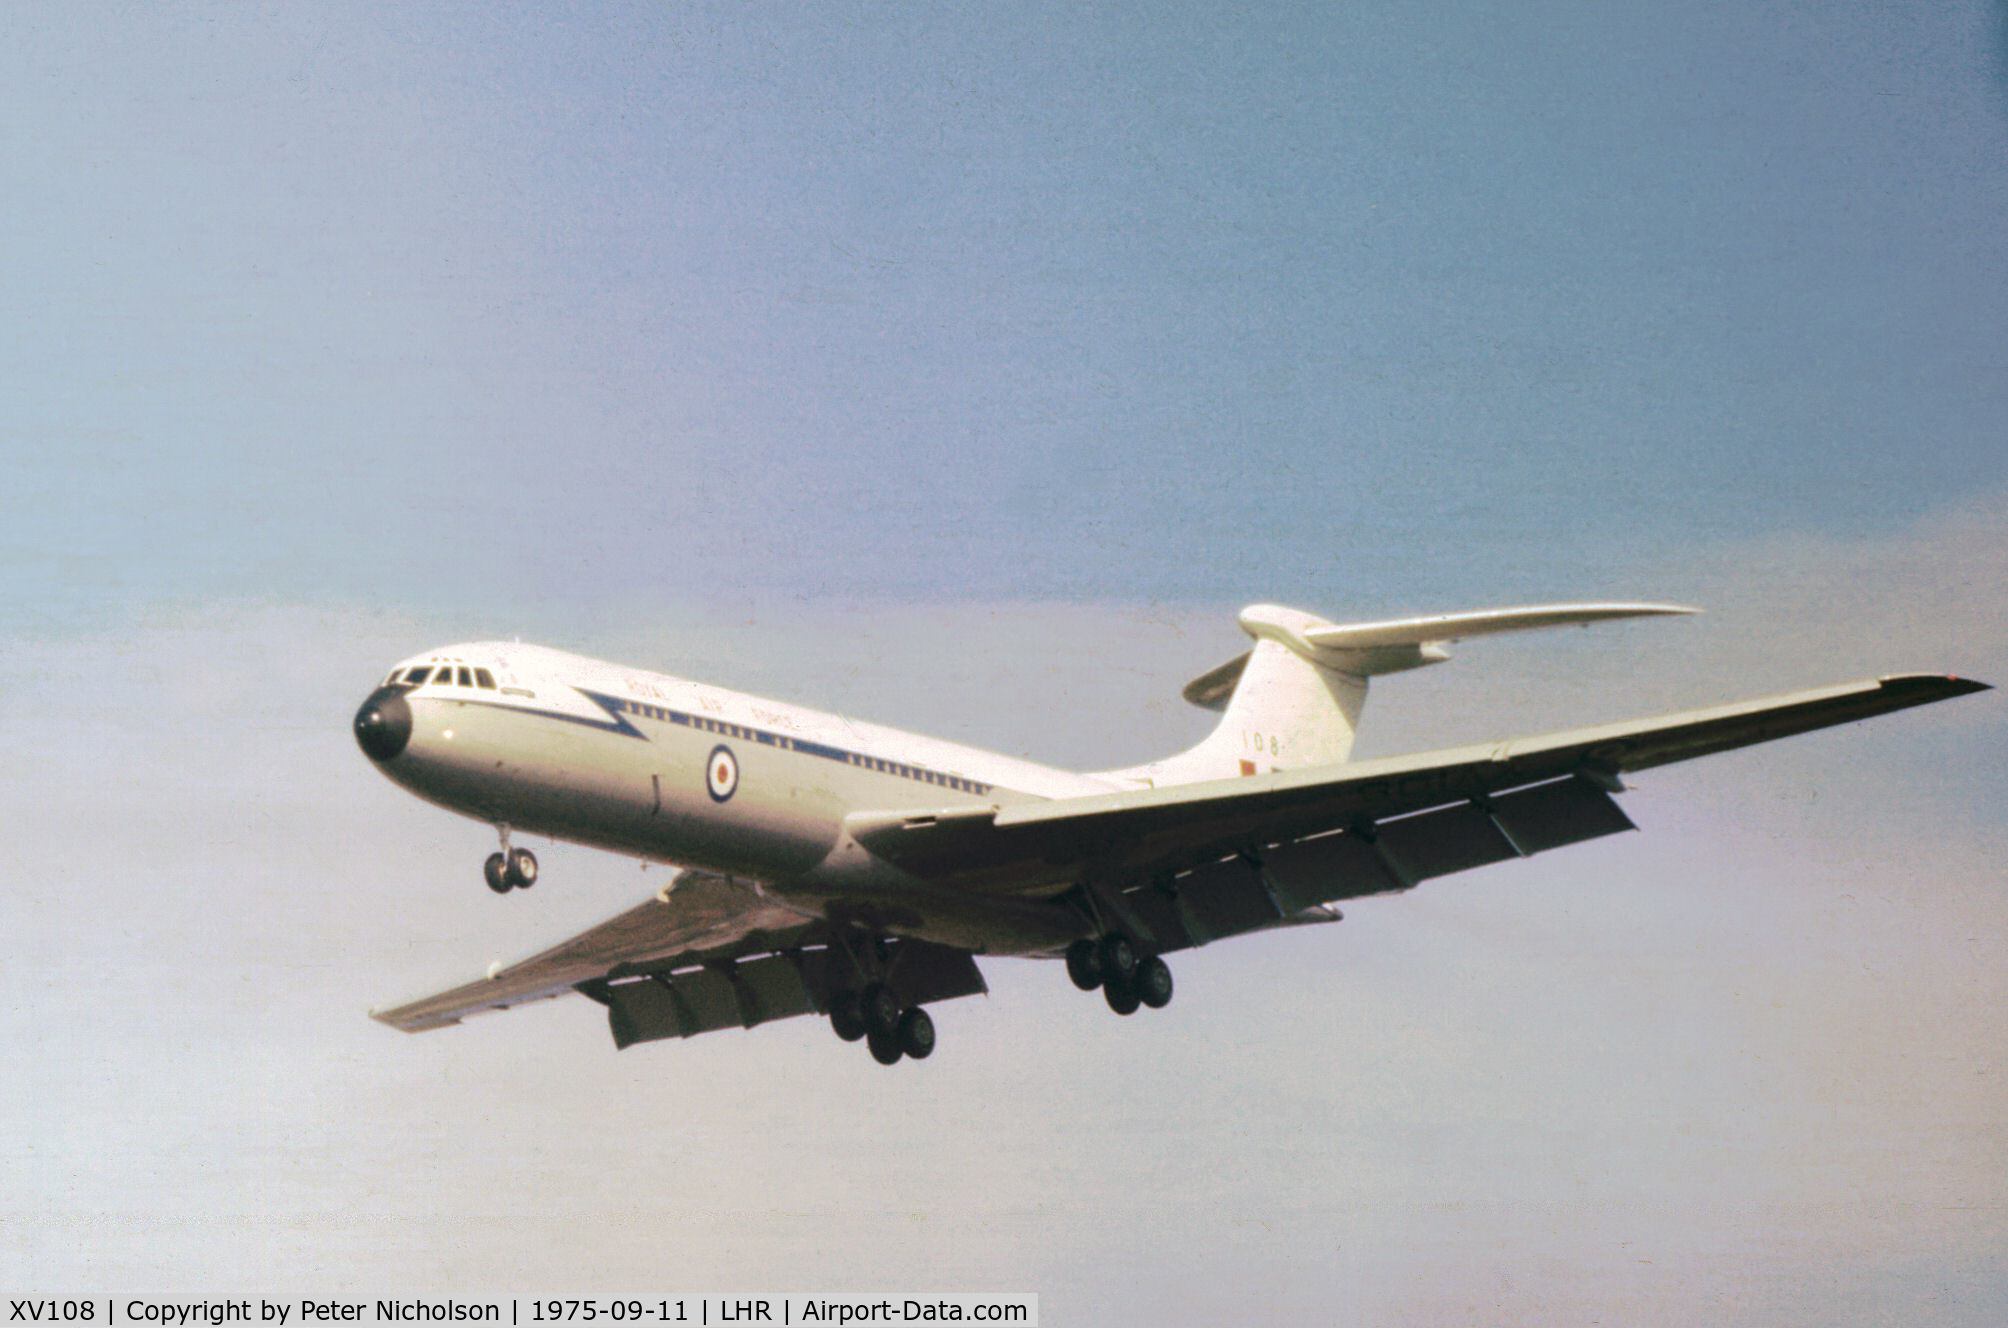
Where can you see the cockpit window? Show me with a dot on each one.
(417, 676)
(483, 678)
(466, 677)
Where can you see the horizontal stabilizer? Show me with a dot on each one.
(1363, 650)
(1456, 626)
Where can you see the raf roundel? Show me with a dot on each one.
(721, 775)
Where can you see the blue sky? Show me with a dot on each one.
(965, 368)
(861, 301)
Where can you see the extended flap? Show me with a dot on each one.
(1567, 811)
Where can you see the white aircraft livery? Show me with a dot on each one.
(833, 867)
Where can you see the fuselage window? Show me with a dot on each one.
(483, 678)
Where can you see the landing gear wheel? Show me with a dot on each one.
(1118, 958)
(1084, 965)
(885, 1047)
(847, 1017)
(916, 1034)
(1153, 983)
(496, 870)
(881, 1011)
(1120, 994)
(522, 869)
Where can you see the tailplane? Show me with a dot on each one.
(1294, 700)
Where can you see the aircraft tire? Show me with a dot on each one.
(881, 1011)
(522, 870)
(885, 1047)
(916, 1033)
(1153, 983)
(1118, 957)
(496, 872)
(1120, 993)
(1084, 965)
(847, 1017)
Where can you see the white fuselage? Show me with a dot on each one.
(544, 742)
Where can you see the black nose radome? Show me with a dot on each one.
(383, 725)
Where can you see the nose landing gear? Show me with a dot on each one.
(511, 869)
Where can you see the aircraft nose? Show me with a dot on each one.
(383, 725)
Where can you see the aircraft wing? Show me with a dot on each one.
(1403, 819)
(706, 954)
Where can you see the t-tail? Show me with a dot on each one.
(1294, 700)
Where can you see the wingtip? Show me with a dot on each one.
(395, 1018)
(1657, 610)
(1941, 686)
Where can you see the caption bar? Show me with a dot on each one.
(530, 1311)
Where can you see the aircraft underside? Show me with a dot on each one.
(834, 868)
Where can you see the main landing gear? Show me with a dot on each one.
(1127, 979)
(511, 869)
(891, 1032)
(872, 1011)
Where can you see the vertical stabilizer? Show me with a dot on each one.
(1286, 706)
(1290, 711)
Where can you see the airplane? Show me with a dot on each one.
(834, 867)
